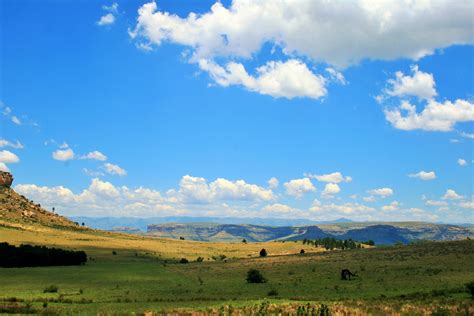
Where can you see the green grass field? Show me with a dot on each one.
(413, 279)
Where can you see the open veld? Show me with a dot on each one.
(127, 273)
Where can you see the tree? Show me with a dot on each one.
(302, 252)
(244, 241)
(263, 253)
(255, 276)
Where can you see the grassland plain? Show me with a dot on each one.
(144, 276)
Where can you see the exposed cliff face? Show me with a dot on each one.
(6, 179)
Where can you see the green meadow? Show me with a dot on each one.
(422, 278)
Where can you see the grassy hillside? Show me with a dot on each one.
(144, 276)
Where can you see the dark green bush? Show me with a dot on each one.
(255, 276)
(470, 288)
(272, 293)
(263, 253)
(183, 260)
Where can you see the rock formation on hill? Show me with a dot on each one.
(15, 208)
(6, 179)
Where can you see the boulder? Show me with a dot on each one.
(6, 179)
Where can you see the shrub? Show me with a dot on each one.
(302, 252)
(114, 253)
(263, 253)
(200, 259)
(470, 287)
(50, 289)
(255, 276)
(181, 238)
(183, 260)
(244, 241)
(272, 293)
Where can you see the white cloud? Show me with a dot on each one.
(330, 190)
(436, 203)
(288, 79)
(298, 187)
(63, 154)
(273, 183)
(114, 169)
(424, 175)
(346, 208)
(107, 19)
(8, 157)
(434, 117)
(335, 177)
(92, 173)
(451, 195)
(113, 8)
(15, 120)
(198, 190)
(462, 162)
(95, 155)
(391, 207)
(338, 33)
(383, 192)
(468, 204)
(369, 198)
(6, 143)
(421, 85)
(467, 135)
(278, 208)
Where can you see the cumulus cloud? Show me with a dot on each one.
(298, 187)
(335, 177)
(6, 143)
(424, 175)
(63, 154)
(467, 135)
(109, 18)
(342, 209)
(434, 116)
(273, 183)
(467, 204)
(288, 79)
(436, 203)
(278, 209)
(333, 32)
(330, 190)
(420, 84)
(95, 155)
(198, 190)
(451, 195)
(462, 162)
(114, 169)
(383, 192)
(391, 207)
(8, 157)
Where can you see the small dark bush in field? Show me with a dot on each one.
(272, 293)
(302, 252)
(81, 291)
(255, 276)
(181, 238)
(183, 260)
(114, 252)
(263, 253)
(50, 289)
(45, 304)
(200, 259)
(244, 241)
(470, 287)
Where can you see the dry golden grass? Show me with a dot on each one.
(96, 242)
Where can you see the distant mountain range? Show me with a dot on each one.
(231, 229)
(380, 233)
(112, 223)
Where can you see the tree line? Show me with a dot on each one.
(38, 256)
(332, 243)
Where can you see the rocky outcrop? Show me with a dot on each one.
(6, 179)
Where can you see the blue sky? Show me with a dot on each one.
(107, 111)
